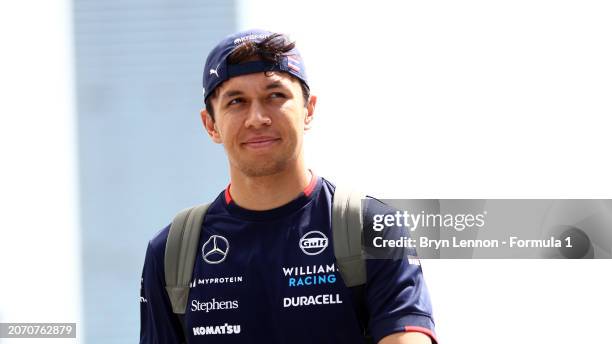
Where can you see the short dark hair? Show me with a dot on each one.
(271, 49)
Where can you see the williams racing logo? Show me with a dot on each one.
(313, 243)
(299, 276)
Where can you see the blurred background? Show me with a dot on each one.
(101, 142)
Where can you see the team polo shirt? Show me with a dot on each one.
(271, 277)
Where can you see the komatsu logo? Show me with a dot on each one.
(313, 243)
(220, 329)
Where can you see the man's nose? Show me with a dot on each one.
(257, 116)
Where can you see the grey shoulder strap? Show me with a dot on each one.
(347, 228)
(181, 250)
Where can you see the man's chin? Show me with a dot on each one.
(263, 170)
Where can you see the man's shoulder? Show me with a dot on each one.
(371, 204)
(157, 244)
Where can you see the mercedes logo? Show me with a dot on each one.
(215, 249)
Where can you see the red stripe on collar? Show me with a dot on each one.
(307, 191)
(310, 187)
(228, 197)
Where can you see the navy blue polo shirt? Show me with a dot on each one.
(270, 277)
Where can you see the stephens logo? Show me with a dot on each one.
(215, 249)
(213, 305)
(313, 243)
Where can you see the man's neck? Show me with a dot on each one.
(268, 192)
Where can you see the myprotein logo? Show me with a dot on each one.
(313, 243)
(212, 305)
(219, 329)
(216, 280)
(215, 249)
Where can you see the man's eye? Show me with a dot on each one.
(234, 101)
(277, 95)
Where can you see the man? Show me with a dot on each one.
(253, 280)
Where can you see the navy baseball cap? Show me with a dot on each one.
(218, 70)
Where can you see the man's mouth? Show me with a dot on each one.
(261, 142)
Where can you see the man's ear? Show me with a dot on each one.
(310, 108)
(210, 126)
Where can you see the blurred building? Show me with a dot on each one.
(143, 154)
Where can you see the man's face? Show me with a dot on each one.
(260, 120)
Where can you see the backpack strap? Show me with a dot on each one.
(179, 258)
(347, 229)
